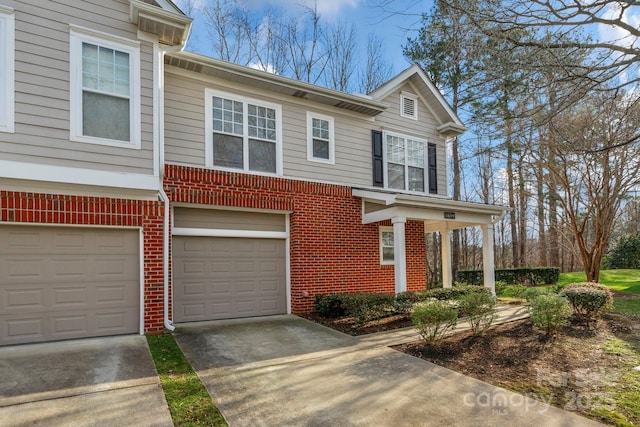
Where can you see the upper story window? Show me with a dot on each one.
(405, 163)
(242, 133)
(409, 105)
(7, 49)
(105, 89)
(320, 138)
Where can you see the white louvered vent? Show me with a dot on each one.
(409, 107)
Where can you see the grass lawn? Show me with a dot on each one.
(189, 402)
(619, 280)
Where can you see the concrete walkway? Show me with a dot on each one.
(90, 382)
(287, 371)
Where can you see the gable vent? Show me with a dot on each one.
(409, 107)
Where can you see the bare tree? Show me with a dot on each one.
(377, 69)
(227, 28)
(593, 182)
(266, 38)
(342, 47)
(306, 56)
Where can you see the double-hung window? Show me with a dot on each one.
(7, 46)
(242, 134)
(405, 163)
(320, 138)
(386, 245)
(105, 89)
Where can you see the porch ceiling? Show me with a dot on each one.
(437, 213)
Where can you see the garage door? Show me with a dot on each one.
(228, 277)
(61, 283)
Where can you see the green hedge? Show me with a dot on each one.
(513, 276)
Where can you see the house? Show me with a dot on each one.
(142, 185)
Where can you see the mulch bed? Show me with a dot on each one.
(349, 326)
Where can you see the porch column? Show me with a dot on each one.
(445, 243)
(399, 254)
(488, 266)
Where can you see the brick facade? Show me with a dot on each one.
(330, 249)
(37, 208)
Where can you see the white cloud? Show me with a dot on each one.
(616, 34)
(263, 67)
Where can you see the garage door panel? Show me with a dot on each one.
(245, 277)
(61, 283)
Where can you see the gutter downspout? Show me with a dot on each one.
(168, 323)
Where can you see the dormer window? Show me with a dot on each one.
(409, 105)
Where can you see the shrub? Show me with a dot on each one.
(329, 305)
(454, 293)
(479, 310)
(433, 319)
(364, 307)
(549, 312)
(516, 291)
(512, 276)
(500, 286)
(588, 299)
(406, 300)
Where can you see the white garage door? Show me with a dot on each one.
(61, 283)
(228, 277)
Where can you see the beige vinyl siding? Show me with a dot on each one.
(425, 127)
(184, 131)
(42, 86)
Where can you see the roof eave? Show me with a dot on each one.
(171, 28)
(288, 86)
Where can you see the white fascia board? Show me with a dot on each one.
(69, 175)
(375, 196)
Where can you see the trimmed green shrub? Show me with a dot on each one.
(549, 312)
(588, 299)
(516, 291)
(329, 305)
(479, 309)
(500, 287)
(454, 293)
(364, 307)
(433, 319)
(406, 300)
(513, 276)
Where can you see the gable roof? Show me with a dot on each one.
(284, 85)
(450, 124)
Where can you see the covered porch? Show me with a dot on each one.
(439, 215)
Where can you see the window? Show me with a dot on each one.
(320, 142)
(243, 134)
(105, 89)
(386, 245)
(409, 105)
(7, 46)
(405, 163)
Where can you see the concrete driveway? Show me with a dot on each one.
(287, 371)
(90, 382)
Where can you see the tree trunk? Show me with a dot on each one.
(512, 204)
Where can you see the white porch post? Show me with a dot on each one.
(399, 254)
(487, 258)
(445, 243)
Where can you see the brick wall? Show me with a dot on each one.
(331, 250)
(39, 208)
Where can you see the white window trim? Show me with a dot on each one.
(7, 73)
(132, 47)
(406, 175)
(386, 229)
(332, 150)
(407, 95)
(208, 125)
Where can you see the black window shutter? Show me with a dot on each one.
(378, 165)
(433, 169)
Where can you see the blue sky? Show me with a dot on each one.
(368, 17)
